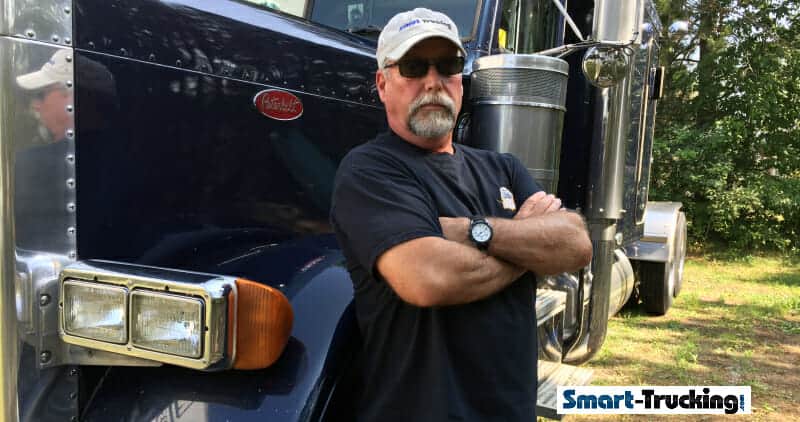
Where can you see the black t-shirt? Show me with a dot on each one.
(470, 362)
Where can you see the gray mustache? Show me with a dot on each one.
(433, 99)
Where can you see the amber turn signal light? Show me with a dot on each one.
(263, 323)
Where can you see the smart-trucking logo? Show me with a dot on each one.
(684, 400)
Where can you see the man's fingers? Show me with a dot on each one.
(543, 205)
(532, 200)
(527, 206)
(555, 205)
(538, 204)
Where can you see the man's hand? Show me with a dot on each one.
(537, 204)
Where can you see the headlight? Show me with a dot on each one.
(167, 323)
(196, 320)
(95, 311)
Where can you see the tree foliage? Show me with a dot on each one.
(728, 138)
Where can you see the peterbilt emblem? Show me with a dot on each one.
(278, 105)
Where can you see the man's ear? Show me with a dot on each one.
(36, 105)
(380, 83)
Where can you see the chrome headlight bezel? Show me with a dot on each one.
(217, 293)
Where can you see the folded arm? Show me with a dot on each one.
(542, 237)
(547, 244)
(432, 271)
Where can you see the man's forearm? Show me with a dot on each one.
(434, 272)
(546, 244)
(474, 275)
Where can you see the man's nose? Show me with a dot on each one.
(433, 79)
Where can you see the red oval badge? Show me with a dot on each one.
(278, 105)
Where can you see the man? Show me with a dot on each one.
(444, 294)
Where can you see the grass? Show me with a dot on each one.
(734, 323)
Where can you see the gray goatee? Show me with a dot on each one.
(432, 124)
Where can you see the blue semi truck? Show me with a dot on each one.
(166, 170)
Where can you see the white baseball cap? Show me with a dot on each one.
(57, 69)
(404, 30)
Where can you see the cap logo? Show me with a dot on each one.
(406, 25)
(417, 21)
(443, 23)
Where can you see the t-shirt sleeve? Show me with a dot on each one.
(376, 207)
(522, 183)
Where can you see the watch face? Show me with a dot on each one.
(481, 232)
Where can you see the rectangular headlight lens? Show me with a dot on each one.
(167, 323)
(95, 311)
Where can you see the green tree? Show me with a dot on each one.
(728, 139)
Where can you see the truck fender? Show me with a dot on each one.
(658, 257)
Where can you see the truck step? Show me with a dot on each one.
(548, 304)
(551, 375)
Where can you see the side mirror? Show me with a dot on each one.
(605, 67)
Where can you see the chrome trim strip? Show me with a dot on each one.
(518, 103)
(217, 292)
(522, 61)
(9, 341)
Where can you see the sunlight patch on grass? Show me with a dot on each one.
(686, 355)
(734, 323)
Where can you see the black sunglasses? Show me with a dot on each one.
(417, 68)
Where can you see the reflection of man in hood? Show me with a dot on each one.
(51, 95)
(44, 178)
(41, 171)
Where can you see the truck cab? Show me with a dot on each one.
(167, 169)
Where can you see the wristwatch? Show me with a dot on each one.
(480, 232)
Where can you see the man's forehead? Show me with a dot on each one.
(432, 47)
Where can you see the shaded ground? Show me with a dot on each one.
(734, 323)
